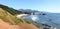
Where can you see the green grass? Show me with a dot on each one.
(7, 14)
(10, 10)
(7, 17)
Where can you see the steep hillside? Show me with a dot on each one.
(9, 21)
(10, 10)
(7, 17)
(7, 14)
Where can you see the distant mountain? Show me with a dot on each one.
(27, 11)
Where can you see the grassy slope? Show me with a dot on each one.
(10, 10)
(7, 14)
(8, 17)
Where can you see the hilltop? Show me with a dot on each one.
(8, 20)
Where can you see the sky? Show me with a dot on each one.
(41, 5)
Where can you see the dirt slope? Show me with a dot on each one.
(4, 25)
(28, 26)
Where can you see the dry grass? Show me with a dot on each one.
(6, 19)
